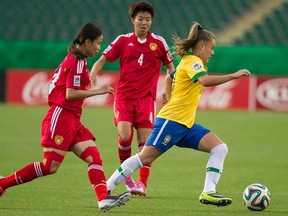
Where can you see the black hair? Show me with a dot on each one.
(141, 6)
(88, 31)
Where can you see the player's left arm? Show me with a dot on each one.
(77, 94)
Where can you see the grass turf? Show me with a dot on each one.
(257, 154)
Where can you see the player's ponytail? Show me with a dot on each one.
(196, 34)
(88, 31)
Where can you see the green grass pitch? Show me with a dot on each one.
(257, 145)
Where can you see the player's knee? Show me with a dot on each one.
(91, 155)
(54, 167)
(52, 161)
(145, 159)
(224, 148)
(220, 149)
(125, 139)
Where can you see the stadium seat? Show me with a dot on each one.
(57, 20)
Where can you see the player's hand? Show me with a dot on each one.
(164, 98)
(106, 89)
(241, 73)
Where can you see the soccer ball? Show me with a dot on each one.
(256, 197)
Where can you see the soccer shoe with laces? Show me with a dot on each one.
(112, 201)
(213, 198)
(129, 183)
(139, 189)
(2, 192)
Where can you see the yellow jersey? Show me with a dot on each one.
(186, 91)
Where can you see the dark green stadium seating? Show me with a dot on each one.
(58, 20)
(273, 30)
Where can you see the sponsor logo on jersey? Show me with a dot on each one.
(197, 66)
(153, 46)
(131, 44)
(166, 140)
(76, 80)
(107, 49)
(58, 139)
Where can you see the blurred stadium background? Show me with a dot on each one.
(250, 34)
(236, 22)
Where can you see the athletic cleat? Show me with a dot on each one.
(139, 189)
(112, 201)
(2, 192)
(213, 198)
(129, 183)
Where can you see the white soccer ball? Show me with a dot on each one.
(256, 197)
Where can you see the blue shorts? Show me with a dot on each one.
(166, 134)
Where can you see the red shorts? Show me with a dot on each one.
(62, 129)
(140, 112)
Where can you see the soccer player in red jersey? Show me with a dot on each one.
(141, 53)
(62, 130)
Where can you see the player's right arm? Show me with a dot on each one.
(111, 53)
(213, 80)
(97, 67)
(168, 84)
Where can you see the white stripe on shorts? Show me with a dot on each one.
(160, 132)
(54, 120)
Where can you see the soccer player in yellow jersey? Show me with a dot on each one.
(175, 123)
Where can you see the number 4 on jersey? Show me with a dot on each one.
(140, 60)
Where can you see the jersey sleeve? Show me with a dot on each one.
(74, 72)
(113, 51)
(167, 56)
(196, 70)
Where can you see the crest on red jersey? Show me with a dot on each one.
(58, 139)
(153, 46)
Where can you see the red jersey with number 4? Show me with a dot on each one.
(71, 73)
(140, 63)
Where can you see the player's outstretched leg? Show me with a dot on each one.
(214, 198)
(112, 201)
(2, 192)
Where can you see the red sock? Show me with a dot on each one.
(98, 180)
(145, 170)
(95, 172)
(144, 174)
(26, 174)
(124, 148)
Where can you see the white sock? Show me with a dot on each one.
(124, 170)
(214, 167)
